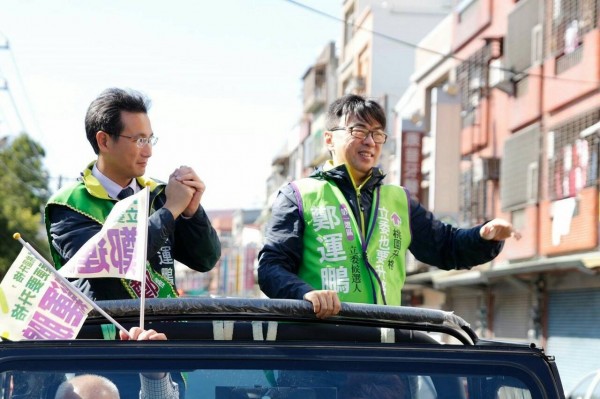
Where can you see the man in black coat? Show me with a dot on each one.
(119, 131)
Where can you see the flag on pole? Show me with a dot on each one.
(118, 250)
(36, 304)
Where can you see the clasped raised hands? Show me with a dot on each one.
(184, 192)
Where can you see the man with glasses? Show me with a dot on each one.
(342, 235)
(118, 128)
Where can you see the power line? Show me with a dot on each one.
(36, 192)
(17, 113)
(5, 118)
(7, 88)
(435, 52)
(23, 88)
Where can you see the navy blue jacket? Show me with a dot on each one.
(433, 242)
(194, 242)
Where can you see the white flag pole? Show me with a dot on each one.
(74, 290)
(142, 257)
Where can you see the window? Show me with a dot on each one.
(349, 21)
(571, 19)
(219, 383)
(572, 159)
(472, 76)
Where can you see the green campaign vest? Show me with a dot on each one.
(90, 199)
(336, 257)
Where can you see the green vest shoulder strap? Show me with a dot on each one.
(78, 198)
(88, 198)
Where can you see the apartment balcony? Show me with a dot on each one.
(315, 88)
(316, 100)
(315, 152)
(573, 75)
(569, 224)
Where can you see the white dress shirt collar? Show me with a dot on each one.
(112, 188)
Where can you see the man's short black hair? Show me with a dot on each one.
(365, 110)
(104, 113)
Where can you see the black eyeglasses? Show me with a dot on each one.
(142, 141)
(360, 132)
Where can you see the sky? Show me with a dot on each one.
(224, 77)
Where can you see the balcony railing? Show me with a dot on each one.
(569, 60)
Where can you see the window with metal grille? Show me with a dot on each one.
(474, 205)
(466, 190)
(569, 21)
(472, 77)
(573, 159)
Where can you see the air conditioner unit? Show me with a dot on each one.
(497, 73)
(500, 78)
(486, 169)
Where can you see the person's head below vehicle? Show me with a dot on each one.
(355, 134)
(92, 386)
(88, 386)
(118, 128)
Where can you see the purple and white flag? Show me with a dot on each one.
(36, 304)
(118, 250)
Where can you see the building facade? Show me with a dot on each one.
(526, 77)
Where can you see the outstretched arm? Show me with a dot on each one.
(447, 247)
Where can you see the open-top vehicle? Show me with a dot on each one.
(260, 348)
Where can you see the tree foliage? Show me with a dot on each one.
(23, 193)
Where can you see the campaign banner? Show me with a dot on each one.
(35, 304)
(118, 249)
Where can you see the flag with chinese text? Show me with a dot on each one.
(35, 304)
(118, 250)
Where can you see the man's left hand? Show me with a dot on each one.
(498, 230)
(138, 334)
(187, 176)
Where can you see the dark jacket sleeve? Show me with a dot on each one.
(69, 230)
(281, 256)
(196, 242)
(447, 247)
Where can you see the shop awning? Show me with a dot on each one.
(588, 263)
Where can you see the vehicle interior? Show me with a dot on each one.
(249, 348)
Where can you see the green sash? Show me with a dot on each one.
(91, 200)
